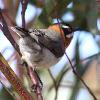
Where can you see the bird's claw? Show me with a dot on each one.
(37, 88)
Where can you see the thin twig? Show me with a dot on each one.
(87, 58)
(5, 12)
(57, 84)
(74, 71)
(32, 74)
(7, 33)
(54, 83)
(24, 7)
(36, 83)
(61, 33)
(79, 77)
(53, 79)
(60, 80)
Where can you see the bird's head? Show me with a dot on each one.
(65, 30)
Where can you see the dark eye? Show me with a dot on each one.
(67, 30)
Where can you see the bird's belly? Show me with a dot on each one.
(48, 59)
(44, 60)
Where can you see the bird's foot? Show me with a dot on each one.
(37, 83)
(37, 88)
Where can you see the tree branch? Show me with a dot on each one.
(7, 33)
(13, 79)
(32, 73)
(75, 72)
(36, 83)
(24, 7)
(79, 77)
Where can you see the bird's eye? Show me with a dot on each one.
(67, 28)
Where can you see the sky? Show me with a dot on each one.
(87, 48)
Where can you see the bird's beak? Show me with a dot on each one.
(76, 29)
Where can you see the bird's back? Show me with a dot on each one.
(51, 40)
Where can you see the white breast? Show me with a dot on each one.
(33, 55)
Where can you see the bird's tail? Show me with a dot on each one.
(20, 31)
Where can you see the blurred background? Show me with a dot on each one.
(84, 51)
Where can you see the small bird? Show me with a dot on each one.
(44, 47)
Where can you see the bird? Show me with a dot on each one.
(43, 48)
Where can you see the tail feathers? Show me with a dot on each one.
(20, 31)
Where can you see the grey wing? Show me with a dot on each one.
(51, 41)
